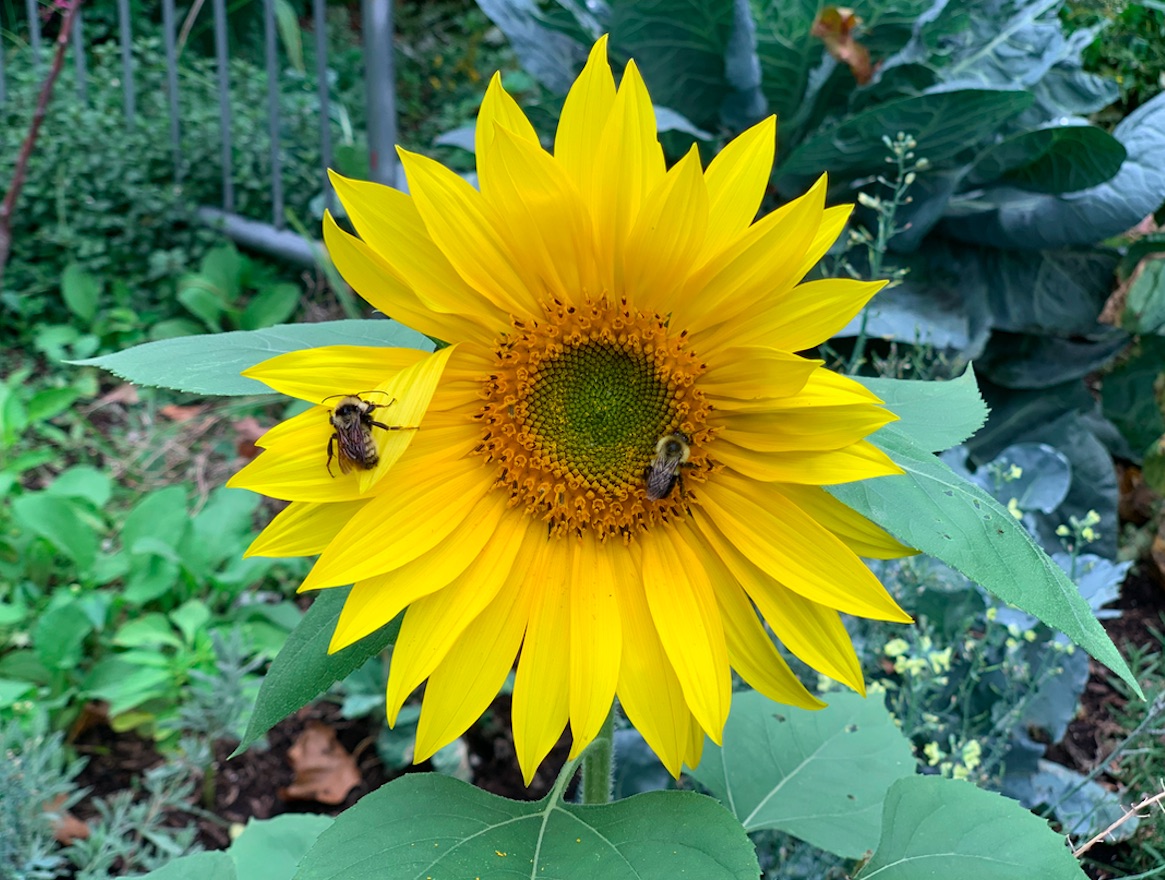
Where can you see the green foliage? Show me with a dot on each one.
(428, 823)
(820, 776)
(231, 291)
(102, 222)
(1129, 44)
(938, 827)
(211, 364)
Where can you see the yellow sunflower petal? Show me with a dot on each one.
(315, 373)
(389, 223)
(811, 631)
(541, 216)
(683, 607)
(628, 165)
(467, 680)
(667, 235)
(789, 428)
(649, 690)
(860, 534)
(541, 704)
(695, 746)
(753, 372)
(433, 623)
(736, 180)
(766, 258)
(303, 528)
(459, 224)
(809, 314)
(792, 547)
(584, 117)
(421, 508)
(378, 599)
(499, 109)
(858, 461)
(596, 638)
(293, 465)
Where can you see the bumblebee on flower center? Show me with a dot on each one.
(575, 409)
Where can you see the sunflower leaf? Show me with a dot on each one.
(820, 776)
(211, 364)
(430, 825)
(304, 669)
(934, 415)
(934, 509)
(936, 827)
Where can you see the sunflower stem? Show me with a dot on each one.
(598, 765)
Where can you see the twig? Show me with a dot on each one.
(8, 208)
(1130, 813)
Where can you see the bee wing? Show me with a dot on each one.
(659, 482)
(351, 447)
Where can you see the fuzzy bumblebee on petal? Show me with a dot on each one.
(615, 478)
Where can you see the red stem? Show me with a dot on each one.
(8, 207)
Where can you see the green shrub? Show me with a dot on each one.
(102, 193)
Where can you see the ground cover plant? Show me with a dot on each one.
(1026, 537)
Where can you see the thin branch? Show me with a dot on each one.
(1158, 798)
(8, 207)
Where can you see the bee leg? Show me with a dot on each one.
(393, 427)
(331, 454)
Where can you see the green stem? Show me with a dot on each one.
(598, 763)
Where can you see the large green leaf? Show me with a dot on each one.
(787, 53)
(1029, 360)
(211, 364)
(934, 415)
(820, 776)
(944, 124)
(551, 58)
(199, 866)
(934, 827)
(1144, 310)
(56, 520)
(679, 47)
(304, 669)
(1130, 396)
(272, 849)
(932, 508)
(1051, 160)
(426, 825)
(1060, 291)
(1010, 218)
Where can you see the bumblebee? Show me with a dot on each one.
(352, 442)
(671, 453)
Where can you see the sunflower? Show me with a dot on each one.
(615, 474)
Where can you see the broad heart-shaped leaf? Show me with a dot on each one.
(679, 46)
(426, 825)
(1032, 360)
(304, 669)
(935, 415)
(820, 776)
(1051, 160)
(932, 508)
(934, 827)
(943, 123)
(1011, 218)
(210, 364)
(199, 866)
(787, 53)
(272, 849)
(551, 58)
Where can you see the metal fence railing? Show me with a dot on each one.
(268, 233)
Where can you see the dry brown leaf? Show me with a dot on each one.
(834, 27)
(247, 431)
(176, 413)
(324, 771)
(66, 826)
(121, 394)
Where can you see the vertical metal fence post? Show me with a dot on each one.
(79, 58)
(320, 23)
(273, 113)
(126, 36)
(30, 6)
(224, 103)
(380, 84)
(170, 35)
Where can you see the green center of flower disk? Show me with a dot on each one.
(576, 405)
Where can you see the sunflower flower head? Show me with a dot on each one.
(615, 474)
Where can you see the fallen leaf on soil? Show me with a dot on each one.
(176, 413)
(93, 714)
(324, 771)
(834, 27)
(247, 431)
(66, 826)
(121, 394)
